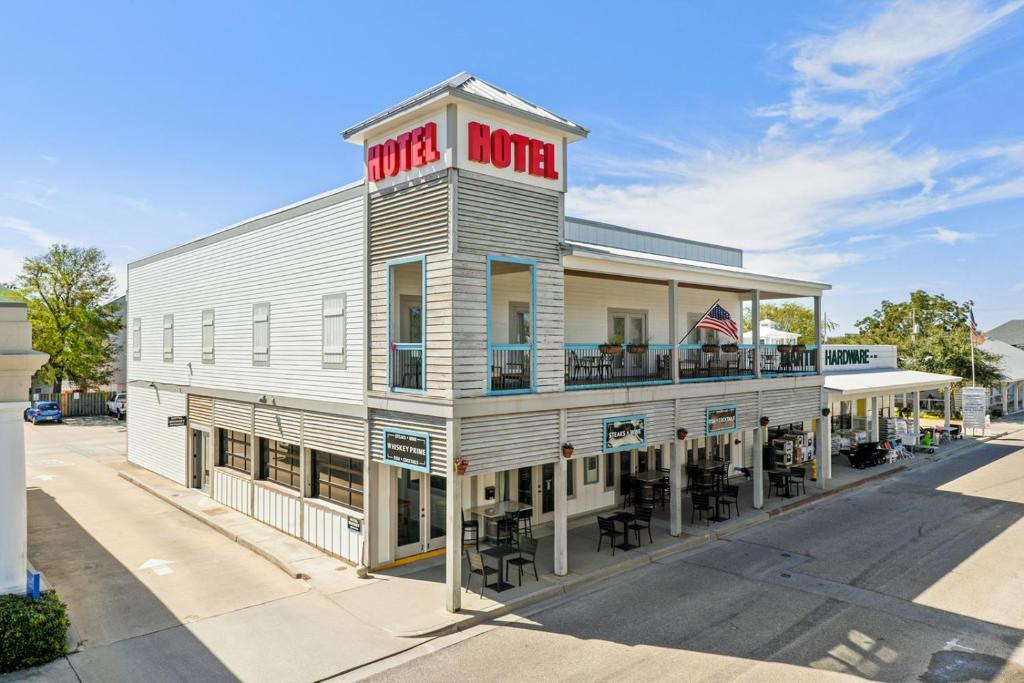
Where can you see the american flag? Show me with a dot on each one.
(974, 325)
(718, 319)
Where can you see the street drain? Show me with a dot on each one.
(785, 575)
(786, 555)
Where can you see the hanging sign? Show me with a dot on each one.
(974, 405)
(721, 419)
(407, 449)
(625, 433)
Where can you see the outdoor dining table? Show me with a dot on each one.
(715, 493)
(490, 514)
(625, 518)
(500, 552)
(650, 477)
(786, 474)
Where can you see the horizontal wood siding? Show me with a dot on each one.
(341, 435)
(235, 491)
(693, 412)
(277, 509)
(585, 426)
(412, 221)
(200, 410)
(328, 530)
(379, 419)
(499, 218)
(509, 441)
(151, 443)
(233, 415)
(791, 405)
(279, 424)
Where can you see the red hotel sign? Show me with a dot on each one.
(409, 150)
(503, 149)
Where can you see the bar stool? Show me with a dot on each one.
(472, 528)
(508, 529)
(524, 523)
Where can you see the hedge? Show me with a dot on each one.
(32, 632)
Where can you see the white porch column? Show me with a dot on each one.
(947, 399)
(1004, 392)
(819, 339)
(758, 468)
(453, 523)
(875, 422)
(824, 447)
(17, 363)
(917, 413)
(561, 550)
(673, 327)
(675, 489)
(755, 330)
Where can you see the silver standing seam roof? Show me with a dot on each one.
(469, 87)
(618, 237)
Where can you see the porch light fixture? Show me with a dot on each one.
(764, 421)
(681, 434)
(262, 399)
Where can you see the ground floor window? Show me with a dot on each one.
(570, 478)
(236, 450)
(590, 475)
(280, 462)
(609, 471)
(338, 478)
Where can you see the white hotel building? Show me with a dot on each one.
(340, 359)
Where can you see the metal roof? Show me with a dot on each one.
(1011, 332)
(870, 382)
(469, 87)
(608, 235)
(1011, 359)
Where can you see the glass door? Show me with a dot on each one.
(524, 489)
(625, 468)
(409, 511)
(437, 517)
(201, 460)
(547, 488)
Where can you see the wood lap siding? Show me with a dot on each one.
(497, 218)
(791, 405)
(279, 424)
(509, 441)
(333, 433)
(412, 221)
(233, 415)
(200, 410)
(692, 412)
(585, 426)
(417, 423)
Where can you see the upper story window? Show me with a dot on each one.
(136, 338)
(208, 318)
(511, 320)
(168, 337)
(333, 330)
(261, 334)
(407, 329)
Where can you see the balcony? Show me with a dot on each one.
(511, 368)
(590, 366)
(406, 367)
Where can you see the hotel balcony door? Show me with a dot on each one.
(420, 513)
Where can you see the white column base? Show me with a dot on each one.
(13, 515)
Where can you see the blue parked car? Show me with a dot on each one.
(44, 411)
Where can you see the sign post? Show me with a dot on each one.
(974, 404)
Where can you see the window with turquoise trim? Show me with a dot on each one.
(407, 324)
(511, 319)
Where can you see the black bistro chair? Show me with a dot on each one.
(641, 523)
(776, 484)
(477, 566)
(628, 485)
(701, 505)
(508, 529)
(608, 530)
(694, 476)
(524, 523)
(729, 497)
(798, 476)
(470, 531)
(527, 556)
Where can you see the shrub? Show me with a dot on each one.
(32, 632)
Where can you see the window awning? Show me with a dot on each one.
(875, 382)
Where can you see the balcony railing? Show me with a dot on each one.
(406, 367)
(781, 359)
(511, 368)
(703, 362)
(601, 365)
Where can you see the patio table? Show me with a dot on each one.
(625, 518)
(786, 474)
(500, 552)
(490, 514)
(715, 493)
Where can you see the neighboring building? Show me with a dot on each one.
(340, 359)
(1007, 395)
(119, 364)
(1011, 332)
(771, 334)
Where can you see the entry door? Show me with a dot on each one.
(625, 468)
(536, 488)
(421, 518)
(201, 460)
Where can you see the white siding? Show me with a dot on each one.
(233, 490)
(328, 529)
(585, 426)
(507, 441)
(291, 264)
(590, 496)
(151, 443)
(277, 509)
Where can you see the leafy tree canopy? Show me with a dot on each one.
(790, 317)
(66, 290)
(940, 343)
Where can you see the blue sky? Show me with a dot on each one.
(877, 146)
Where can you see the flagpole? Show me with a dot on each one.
(698, 320)
(973, 325)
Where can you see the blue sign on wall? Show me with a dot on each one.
(407, 449)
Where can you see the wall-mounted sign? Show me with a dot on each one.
(177, 421)
(722, 419)
(503, 149)
(355, 525)
(840, 357)
(625, 433)
(407, 449)
(415, 148)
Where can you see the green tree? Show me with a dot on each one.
(931, 334)
(790, 317)
(66, 289)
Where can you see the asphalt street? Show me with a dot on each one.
(917, 578)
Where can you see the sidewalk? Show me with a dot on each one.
(408, 601)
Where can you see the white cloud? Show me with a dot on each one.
(858, 74)
(37, 235)
(49, 158)
(811, 263)
(951, 237)
(10, 264)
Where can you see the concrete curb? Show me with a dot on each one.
(282, 564)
